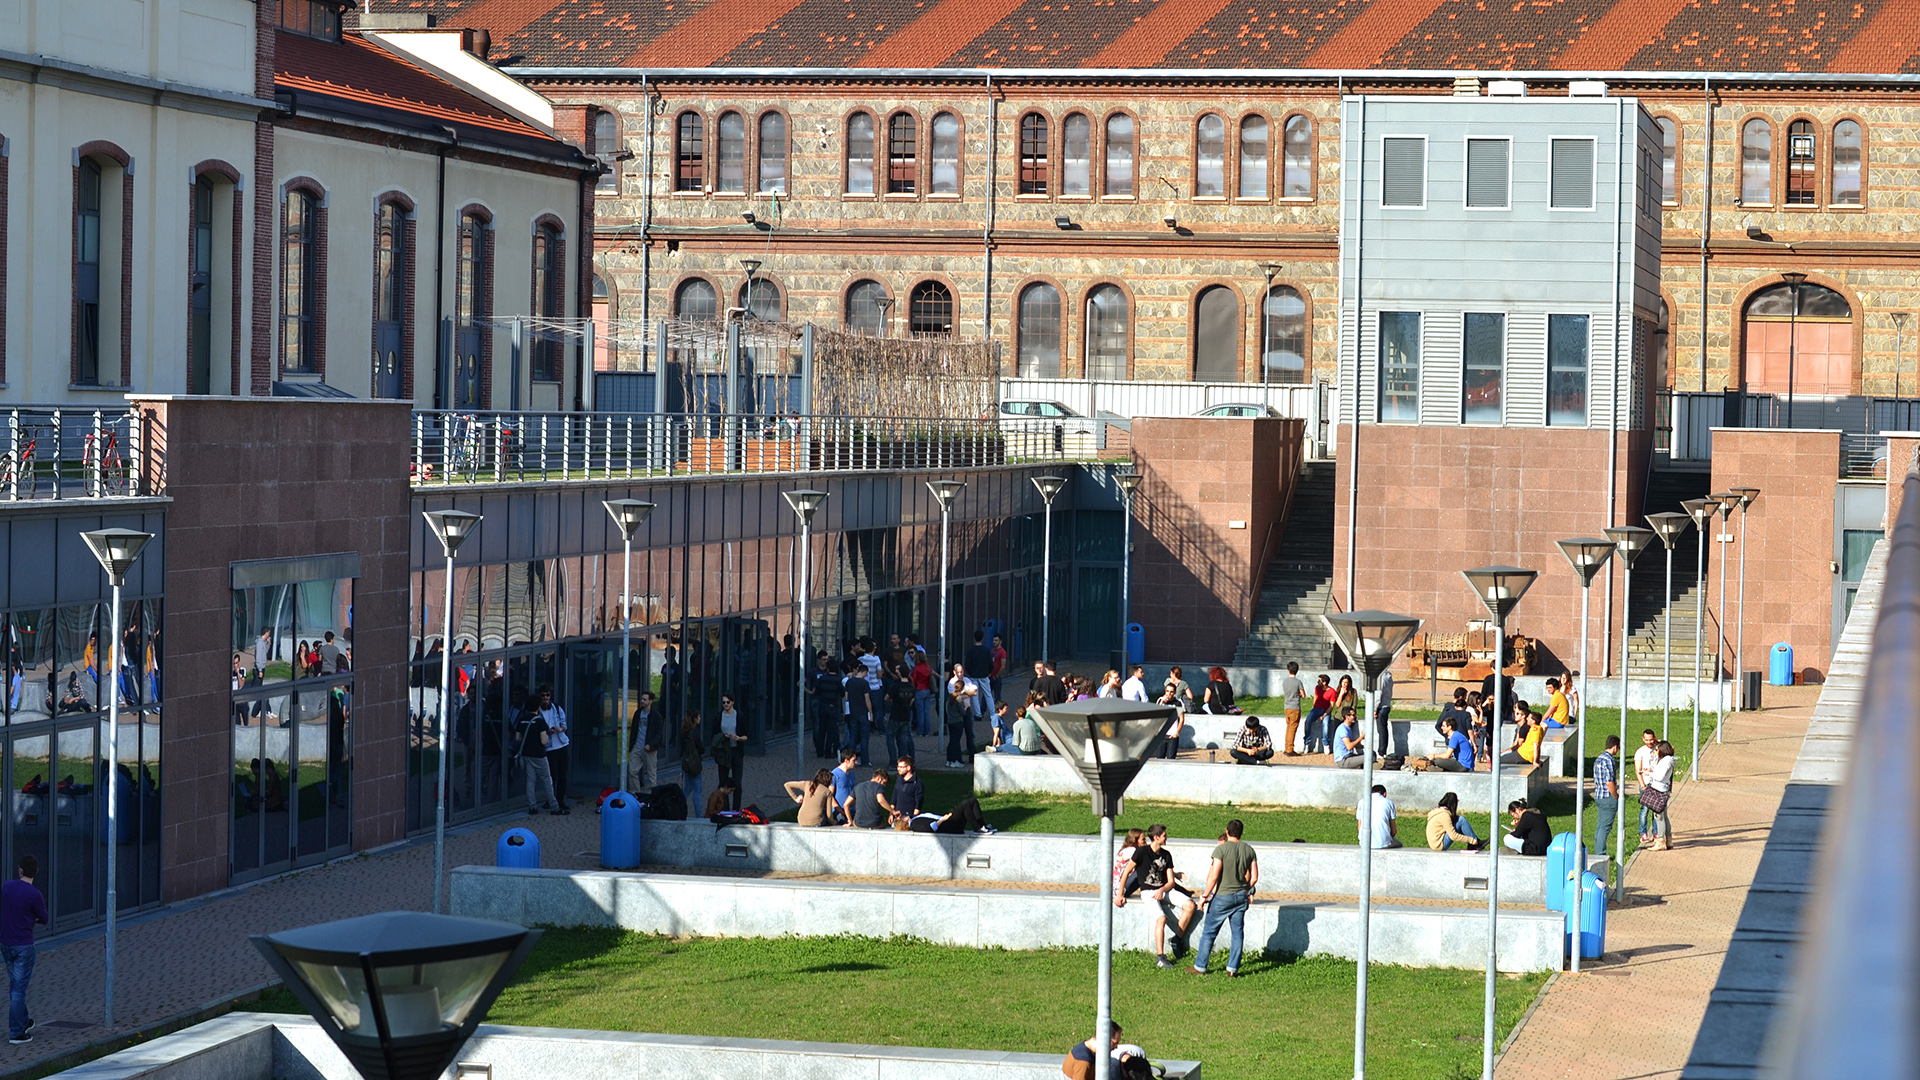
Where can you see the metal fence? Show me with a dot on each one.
(1684, 423)
(1312, 402)
(508, 447)
(62, 452)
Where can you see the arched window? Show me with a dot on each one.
(390, 278)
(773, 152)
(1253, 157)
(1039, 331)
(761, 298)
(903, 154)
(1108, 333)
(1298, 148)
(930, 309)
(1849, 160)
(860, 154)
(1800, 350)
(1756, 162)
(549, 299)
(945, 151)
(695, 301)
(1283, 358)
(732, 154)
(1803, 185)
(1669, 144)
(200, 290)
(605, 354)
(1034, 175)
(299, 281)
(690, 153)
(1119, 170)
(1210, 157)
(865, 314)
(472, 306)
(606, 144)
(1076, 155)
(1216, 335)
(86, 275)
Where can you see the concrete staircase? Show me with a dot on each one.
(1646, 647)
(1298, 587)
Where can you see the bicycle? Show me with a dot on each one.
(108, 468)
(13, 469)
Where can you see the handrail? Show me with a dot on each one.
(54, 452)
(1860, 956)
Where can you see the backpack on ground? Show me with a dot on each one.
(666, 803)
(1393, 762)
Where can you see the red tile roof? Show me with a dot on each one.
(1835, 36)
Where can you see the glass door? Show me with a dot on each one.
(592, 701)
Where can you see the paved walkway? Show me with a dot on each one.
(1633, 1014)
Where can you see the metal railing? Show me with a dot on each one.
(62, 452)
(1684, 422)
(1312, 402)
(517, 447)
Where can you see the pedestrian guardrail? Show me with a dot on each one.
(62, 452)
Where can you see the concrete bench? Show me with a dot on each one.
(1413, 873)
(1217, 783)
(977, 918)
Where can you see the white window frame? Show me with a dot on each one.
(1426, 176)
(1506, 352)
(1593, 182)
(1379, 369)
(1465, 164)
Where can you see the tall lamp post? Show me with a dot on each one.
(1747, 495)
(451, 528)
(804, 503)
(1499, 589)
(399, 993)
(1727, 500)
(116, 549)
(628, 515)
(1129, 483)
(1668, 527)
(885, 304)
(1701, 511)
(1106, 740)
(1271, 269)
(1628, 541)
(1048, 486)
(1587, 555)
(1794, 282)
(946, 491)
(1370, 639)
(1899, 350)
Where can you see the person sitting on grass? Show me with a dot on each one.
(1255, 746)
(964, 818)
(1459, 755)
(1080, 1059)
(1348, 743)
(1445, 826)
(1530, 833)
(1154, 874)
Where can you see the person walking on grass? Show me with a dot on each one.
(21, 906)
(1231, 878)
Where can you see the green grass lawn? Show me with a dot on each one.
(1286, 1017)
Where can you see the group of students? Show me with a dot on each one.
(856, 797)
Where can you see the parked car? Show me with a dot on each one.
(1054, 412)
(1240, 409)
(1046, 428)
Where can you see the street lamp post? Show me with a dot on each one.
(1701, 511)
(885, 304)
(1266, 317)
(1794, 282)
(1048, 486)
(1747, 495)
(1370, 639)
(1129, 483)
(451, 528)
(946, 491)
(804, 503)
(1586, 555)
(628, 515)
(1106, 740)
(116, 549)
(1727, 500)
(1629, 541)
(1668, 527)
(1899, 350)
(1499, 589)
(399, 993)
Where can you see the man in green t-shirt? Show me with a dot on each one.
(1231, 878)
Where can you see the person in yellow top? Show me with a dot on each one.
(1526, 741)
(1558, 710)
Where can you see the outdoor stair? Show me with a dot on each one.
(1298, 586)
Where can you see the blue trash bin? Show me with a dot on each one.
(620, 831)
(519, 849)
(1561, 861)
(1593, 918)
(1780, 665)
(1136, 643)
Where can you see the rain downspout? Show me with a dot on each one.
(1613, 412)
(986, 231)
(1359, 313)
(646, 221)
(1706, 229)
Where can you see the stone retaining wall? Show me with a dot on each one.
(1218, 783)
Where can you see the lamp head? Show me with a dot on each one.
(1371, 639)
(1793, 279)
(451, 528)
(752, 266)
(1049, 486)
(1129, 482)
(116, 549)
(1106, 740)
(884, 303)
(1668, 526)
(1747, 495)
(1500, 588)
(1727, 500)
(946, 491)
(805, 502)
(1271, 269)
(401, 992)
(1629, 541)
(1587, 554)
(1701, 510)
(628, 514)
